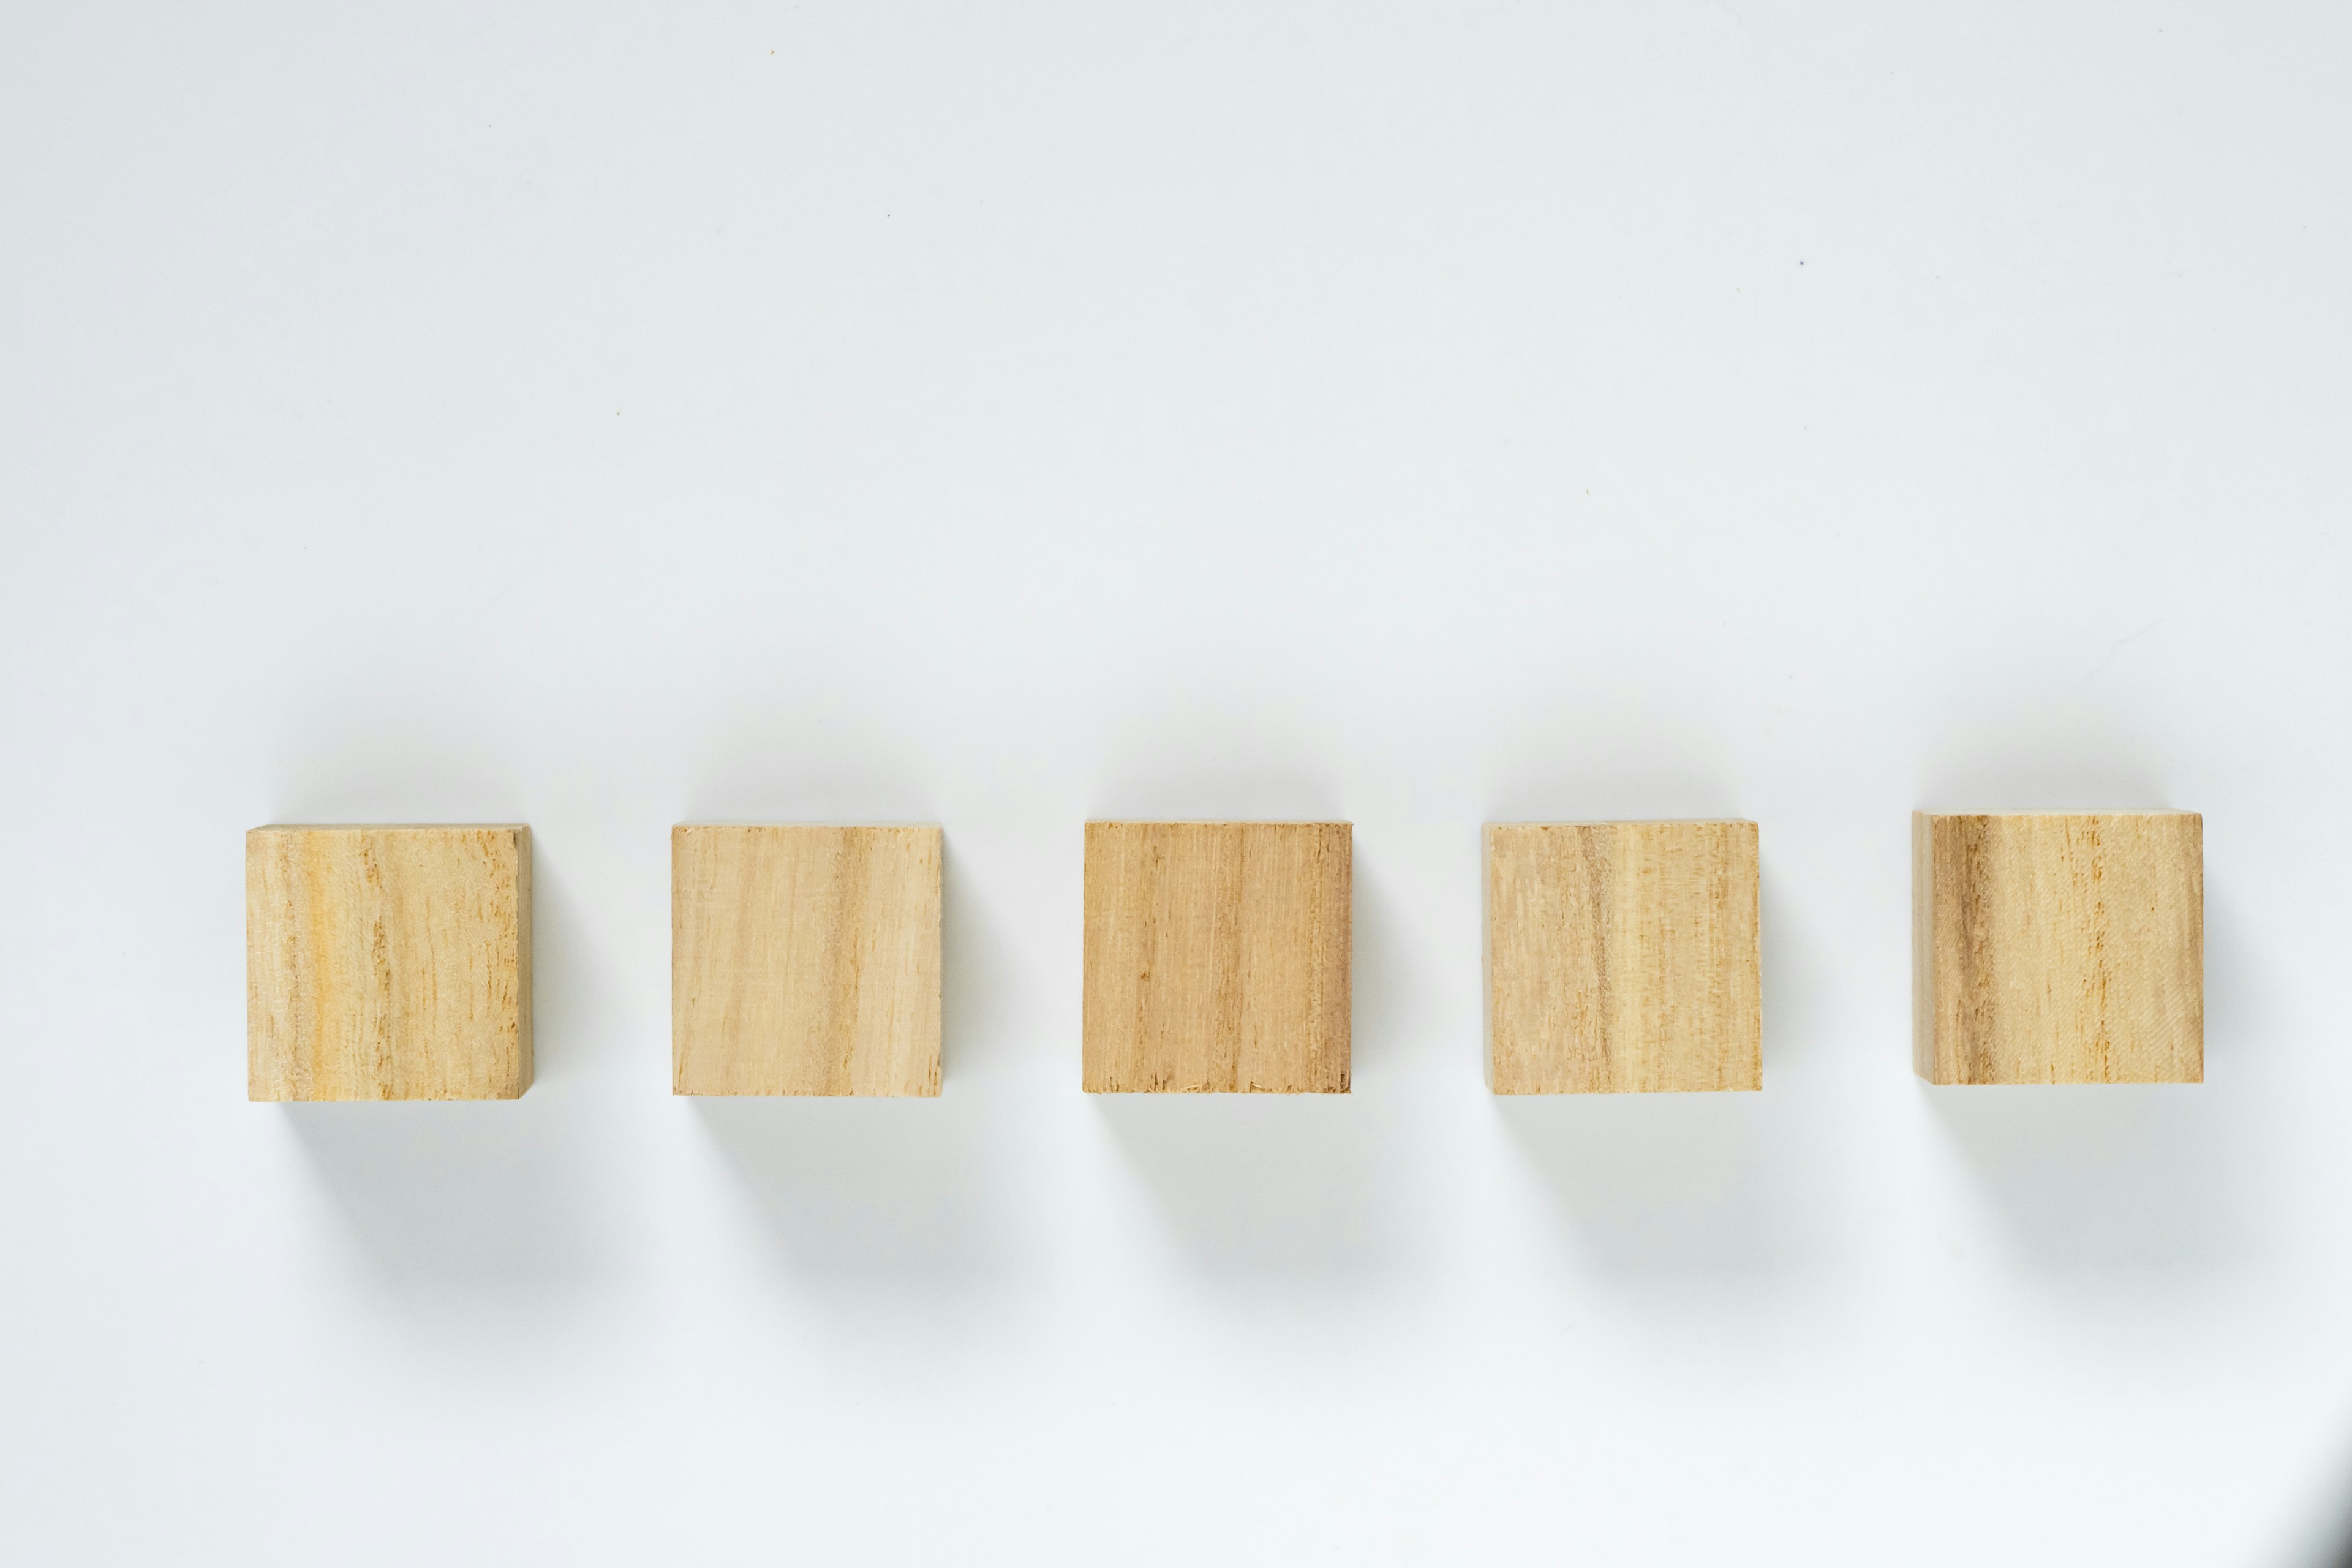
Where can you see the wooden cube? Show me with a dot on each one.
(1622, 957)
(1217, 957)
(2051, 947)
(387, 963)
(805, 960)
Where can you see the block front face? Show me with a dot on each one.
(805, 960)
(2059, 947)
(1217, 957)
(1622, 957)
(388, 963)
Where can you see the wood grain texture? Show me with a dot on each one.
(2058, 947)
(805, 960)
(387, 963)
(1217, 957)
(1623, 957)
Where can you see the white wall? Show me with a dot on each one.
(1001, 415)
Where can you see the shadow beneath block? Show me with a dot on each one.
(1377, 980)
(457, 1194)
(1659, 1186)
(1254, 1185)
(1798, 984)
(976, 964)
(2237, 1015)
(2138, 1178)
(573, 1000)
(890, 1194)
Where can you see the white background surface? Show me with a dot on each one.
(604, 418)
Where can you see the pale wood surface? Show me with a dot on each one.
(1623, 957)
(388, 963)
(1217, 957)
(2058, 947)
(805, 960)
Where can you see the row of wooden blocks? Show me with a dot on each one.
(393, 963)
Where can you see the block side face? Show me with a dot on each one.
(1955, 987)
(526, 1064)
(1486, 955)
(388, 963)
(1684, 945)
(1926, 1060)
(1550, 986)
(683, 955)
(1726, 872)
(1747, 941)
(445, 919)
(1217, 957)
(1327, 1030)
(275, 977)
(1625, 957)
(1147, 985)
(2187, 863)
(2140, 883)
(923, 866)
(805, 960)
(2069, 948)
(466, 894)
(1986, 975)
(1106, 997)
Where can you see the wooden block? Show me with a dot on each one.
(387, 963)
(1216, 957)
(805, 960)
(2053, 947)
(1622, 957)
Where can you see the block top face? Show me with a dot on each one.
(805, 959)
(1623, 957)
(1217, 957)
(392, 828)
(2058, 947)
(2117, 814)
(388, 962)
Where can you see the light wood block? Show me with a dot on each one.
(1622, 957)
(387, 963)
(805, 960)
(2052, 947)
(1217, 957)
